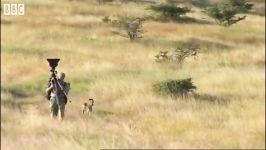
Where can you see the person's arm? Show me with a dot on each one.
(67, 87)
(49, 88)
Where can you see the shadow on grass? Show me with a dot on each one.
(15, 93)
(104, 112)
(139, 2)
(211, 98)
(24, 50)
(5, 22)
(200, 3)
(27, 88)
(205, 45)
(181, 20)
(202, 97)
(11, 104)
(157, 42)
(190, 20)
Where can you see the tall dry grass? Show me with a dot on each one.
(229, 72)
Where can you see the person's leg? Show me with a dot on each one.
(53, 107)
(61, 111)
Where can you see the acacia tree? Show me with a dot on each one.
(242, 6)
(225, 13)
(128, 27)
(133, 27)
(169, 10)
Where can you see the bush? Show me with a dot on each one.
(175, 88)
(106, 19)
(225, 13)
(169, 10)
(178, 56)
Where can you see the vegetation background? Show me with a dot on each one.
(229, 73)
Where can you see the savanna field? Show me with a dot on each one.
(229, 73)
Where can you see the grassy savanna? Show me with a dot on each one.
(229, 72)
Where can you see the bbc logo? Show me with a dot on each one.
(14, 9)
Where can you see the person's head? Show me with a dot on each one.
(62, 76)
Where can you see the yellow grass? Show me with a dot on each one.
(229, 73)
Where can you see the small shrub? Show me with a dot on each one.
(106, 19)
(175, 88)
(178, 56)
